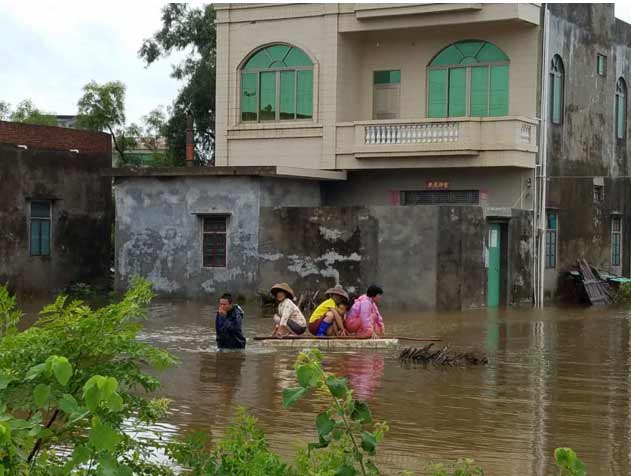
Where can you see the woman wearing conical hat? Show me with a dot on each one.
(288, 320)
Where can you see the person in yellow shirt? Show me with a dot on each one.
(329, 313)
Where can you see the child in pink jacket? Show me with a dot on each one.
(364, 319)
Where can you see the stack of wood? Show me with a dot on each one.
(598, 291)
(442, 356)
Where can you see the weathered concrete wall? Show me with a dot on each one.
(520, 256)
(159, 229)
(81, 216)
(423, 257)
(504, 187)
(585, 145)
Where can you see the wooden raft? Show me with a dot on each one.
(341, 343)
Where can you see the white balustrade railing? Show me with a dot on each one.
(526, 133)
(386, 134)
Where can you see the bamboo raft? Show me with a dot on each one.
(339, 343)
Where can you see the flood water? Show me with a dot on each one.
(557, 377)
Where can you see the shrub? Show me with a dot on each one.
(71, 383)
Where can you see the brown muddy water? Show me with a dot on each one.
(557, 377)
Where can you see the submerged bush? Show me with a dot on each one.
(70, 384)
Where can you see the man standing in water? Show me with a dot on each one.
(228, 324)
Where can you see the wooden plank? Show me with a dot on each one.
(331, 344)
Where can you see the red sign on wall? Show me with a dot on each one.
(437, 184)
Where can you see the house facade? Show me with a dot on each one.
(55, 208)
(425, 130)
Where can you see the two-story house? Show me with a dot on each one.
(389, 143)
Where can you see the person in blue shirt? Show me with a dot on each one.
(228, 324)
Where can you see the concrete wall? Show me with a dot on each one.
(505, 187)
(584, 146)
(81, 214)
(425, 257)
(159, 228)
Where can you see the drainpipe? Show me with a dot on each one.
(190, 155)
(541, 181)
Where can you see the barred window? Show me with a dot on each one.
(214, 242)
(551, 239)
(616, 240)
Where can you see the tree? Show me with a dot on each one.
(102, 108)
(5, 110)
(27, 113)
(186, 28)
(154, 129)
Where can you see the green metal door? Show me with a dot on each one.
(493, 271)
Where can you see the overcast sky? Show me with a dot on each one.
(49, 50)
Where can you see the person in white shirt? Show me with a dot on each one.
(288, 320)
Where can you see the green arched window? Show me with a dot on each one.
(468, 78)
(277, 84)
(621, 109)
(557, 84)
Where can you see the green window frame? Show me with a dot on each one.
(621, 109)
(277, 85)
(616, 240)
(40, 227)
(468, 78)
(601, 65)
(557, 90)
(551, 239)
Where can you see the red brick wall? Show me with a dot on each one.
(55, 138)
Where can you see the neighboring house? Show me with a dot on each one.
(55, 207)
(148, 151)
(407, 139)
(67, 121)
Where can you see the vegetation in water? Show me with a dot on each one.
(74, 384)
(623, 296)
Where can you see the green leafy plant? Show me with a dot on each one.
(345, 427)
(623, 296)
(243, 451)
(568, 463)
(462, 467)
(70, 385)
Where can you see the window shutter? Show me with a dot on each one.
(437, 101)
(457, 92)
(386, 101)
(480, 91)
(287, 94)
(499, 91)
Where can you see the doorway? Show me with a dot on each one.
(497, 241)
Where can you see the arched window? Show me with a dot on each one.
(557, 83)
(468, 78)
(277, 84)
(621, 109)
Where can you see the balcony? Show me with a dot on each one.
(455, 137)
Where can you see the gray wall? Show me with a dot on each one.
(159, 229)
(584, 145)
(505, 187)
(81, 218)
(425, 257)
